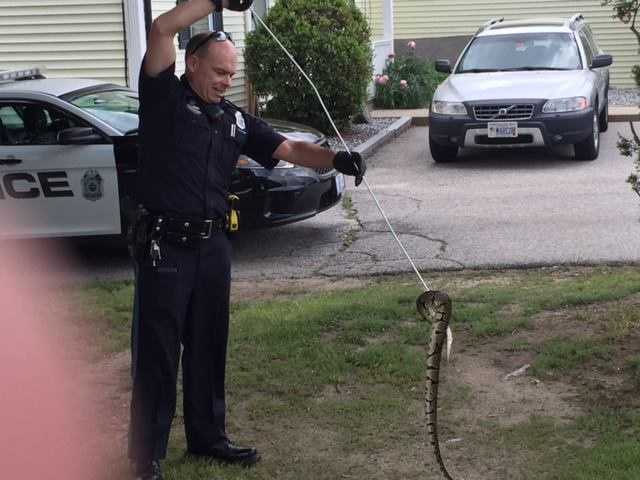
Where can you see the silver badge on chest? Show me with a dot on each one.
(240, 121)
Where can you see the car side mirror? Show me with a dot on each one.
(443, 65)
(79, 136)
(601, 61)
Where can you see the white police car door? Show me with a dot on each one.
(48, 189)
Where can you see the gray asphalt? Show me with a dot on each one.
(488, 209)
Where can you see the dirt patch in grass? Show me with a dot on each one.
(478, 402)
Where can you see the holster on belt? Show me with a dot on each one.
(139, 232)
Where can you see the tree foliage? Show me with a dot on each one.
(627, 12)
(330, 39)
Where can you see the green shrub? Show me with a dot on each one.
(636, 73)
(330, 40)
(406, 82)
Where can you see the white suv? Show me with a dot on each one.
(525, 83)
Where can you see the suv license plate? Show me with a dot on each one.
(502, 129)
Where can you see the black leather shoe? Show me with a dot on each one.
(148, 471)
(224, 451)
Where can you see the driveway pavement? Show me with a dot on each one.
(504, 209)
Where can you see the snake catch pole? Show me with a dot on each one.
(433, 306)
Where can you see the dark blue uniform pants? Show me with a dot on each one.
(184, 299)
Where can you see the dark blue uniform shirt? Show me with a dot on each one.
(188, 149)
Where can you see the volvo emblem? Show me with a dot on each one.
(92, 185)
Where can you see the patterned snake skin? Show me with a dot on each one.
(435, 307)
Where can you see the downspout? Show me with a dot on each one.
(136, 39)
(148, 16)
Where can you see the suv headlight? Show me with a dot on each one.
(449, 108)
(571, 104)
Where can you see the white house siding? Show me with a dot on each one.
(234, 23)
(373, 11)
(420, 19)
(68, 38)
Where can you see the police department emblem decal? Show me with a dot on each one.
(92, 185)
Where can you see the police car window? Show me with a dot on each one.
(10, 125)
(118, 108)
(32, 124)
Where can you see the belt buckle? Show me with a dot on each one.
(209, 224)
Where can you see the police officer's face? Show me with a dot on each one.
(210, 75)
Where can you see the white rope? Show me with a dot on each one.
(326, 111)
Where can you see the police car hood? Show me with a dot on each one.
(295, 131)
(539, 84)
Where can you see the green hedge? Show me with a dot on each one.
(330, 40)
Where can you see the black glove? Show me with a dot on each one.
(236, 5)
(350, 164)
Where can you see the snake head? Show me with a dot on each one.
(433, 304)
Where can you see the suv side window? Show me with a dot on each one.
(587, 47)
(592, 41)
(31, 124)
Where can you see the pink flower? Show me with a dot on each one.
(411, 45)
(382, 79)
(404, 84)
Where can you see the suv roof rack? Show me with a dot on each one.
(16, 75)
(531, 22)
(488, 24)
(573, 22)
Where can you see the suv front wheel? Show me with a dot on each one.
(442, 153)
(589, 148)
(604, 118)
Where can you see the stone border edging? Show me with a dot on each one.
(367, 148)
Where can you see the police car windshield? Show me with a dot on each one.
(118, 108)
(526, 51)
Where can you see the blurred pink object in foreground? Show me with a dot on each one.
(48, 430)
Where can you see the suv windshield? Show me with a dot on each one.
(526, 51)
(118, 108)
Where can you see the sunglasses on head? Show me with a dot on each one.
(218, 36)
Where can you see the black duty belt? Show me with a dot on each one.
(186, 231)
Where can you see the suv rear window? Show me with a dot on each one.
(526, 51)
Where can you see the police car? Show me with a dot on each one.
(68, 160)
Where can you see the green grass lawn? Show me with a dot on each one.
(329, 385)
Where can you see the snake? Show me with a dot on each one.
(434, 307)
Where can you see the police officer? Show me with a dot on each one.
(190, 139)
